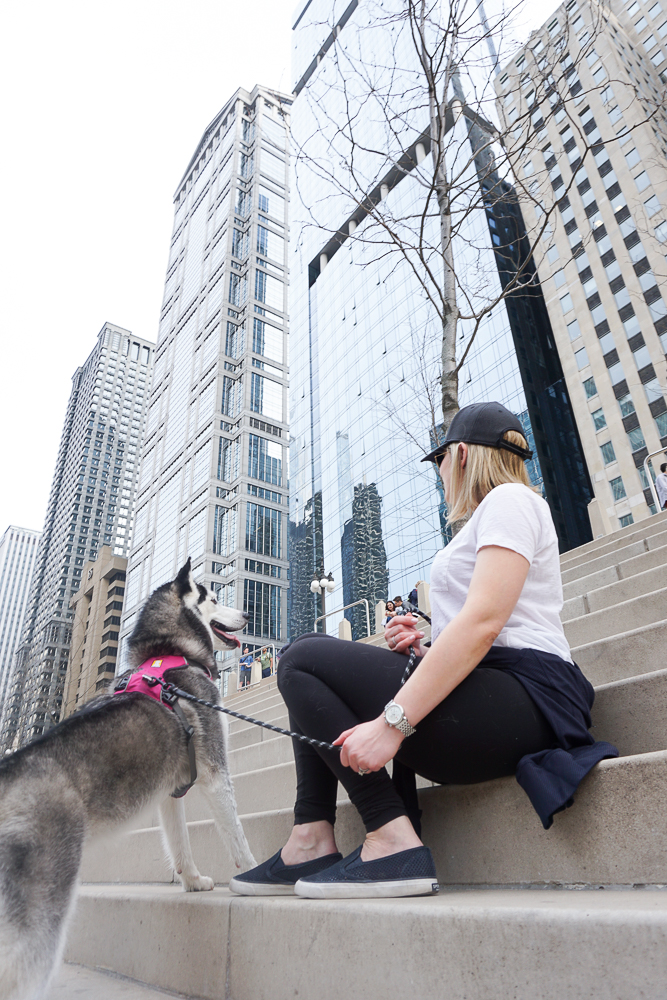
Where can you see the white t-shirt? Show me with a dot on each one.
(513, 517)
(661, 487)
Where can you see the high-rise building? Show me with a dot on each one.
(97, 605)
(91, 504)
(583, 101)
(18, 550)
(366, 342)
(213, 483)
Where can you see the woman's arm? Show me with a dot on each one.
(496, 584)
(495, 587)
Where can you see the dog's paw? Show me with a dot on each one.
(197, 883)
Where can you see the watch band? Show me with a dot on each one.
(404, 727)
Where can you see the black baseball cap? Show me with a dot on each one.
(482, 423)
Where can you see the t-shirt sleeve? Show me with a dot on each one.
(509, 518)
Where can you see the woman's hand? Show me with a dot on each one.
(401, 633)
(369, 746)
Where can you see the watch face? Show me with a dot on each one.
(393, 714)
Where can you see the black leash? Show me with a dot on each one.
(171, 692)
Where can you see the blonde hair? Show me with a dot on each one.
(485, 469)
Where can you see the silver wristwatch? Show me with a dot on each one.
(395, 716)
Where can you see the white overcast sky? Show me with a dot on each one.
(103, 105)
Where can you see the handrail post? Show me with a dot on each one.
(337, 611)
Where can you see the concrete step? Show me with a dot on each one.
(631, 614)
(266, 753)
(616, 593)
(249, 701)
(617, 539)
(266, 684)
(623, 570)
(479, 834)
(627, 712)
(633, 720)
(631, 713)
(248, 734)
(613, 556)
(477, 945)
(264, 713)
(626, 654)
(272, 787)
(92, 984)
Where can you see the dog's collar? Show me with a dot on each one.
(144, 680)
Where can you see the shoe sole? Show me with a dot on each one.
(367, 890)
(260, 888)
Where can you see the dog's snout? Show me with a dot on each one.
(245, 615)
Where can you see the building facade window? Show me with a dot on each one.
(608, 453)
(599, 419)
(636, 439)
(265, 460)
(590, 388)
(263, 530)
(261, 602)
(618, 489)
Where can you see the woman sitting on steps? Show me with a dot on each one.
(496, 694)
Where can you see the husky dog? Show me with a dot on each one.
(117, 756)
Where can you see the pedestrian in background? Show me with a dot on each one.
(245, 664)
(266, 662)
(661, 486)
(398, 604)
(390, 611)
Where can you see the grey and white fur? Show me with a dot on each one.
(116, 757)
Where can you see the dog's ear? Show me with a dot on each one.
(182, 581)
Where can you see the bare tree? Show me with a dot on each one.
(427, 111)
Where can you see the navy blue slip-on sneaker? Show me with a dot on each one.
(274, 878)
(408, 873)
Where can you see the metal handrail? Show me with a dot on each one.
(338, 611)
(651, 484)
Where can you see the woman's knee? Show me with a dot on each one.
(290, 661)
(299, 656)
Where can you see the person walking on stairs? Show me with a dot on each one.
(496, 694)
(661, 486)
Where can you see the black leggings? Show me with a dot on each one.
(480, 731)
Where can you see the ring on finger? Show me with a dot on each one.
(363, 770)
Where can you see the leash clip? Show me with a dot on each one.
(168, 693)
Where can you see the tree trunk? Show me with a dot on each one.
(450, 313)
(449, 378)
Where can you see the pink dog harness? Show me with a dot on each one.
(146, 680)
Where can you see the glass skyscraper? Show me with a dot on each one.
(213, 483)
(18, 551)
(91, 504)
(366, 341)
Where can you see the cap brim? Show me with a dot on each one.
(432, 455)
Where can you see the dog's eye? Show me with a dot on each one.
(213, 600)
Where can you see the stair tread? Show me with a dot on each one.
(576, 898)
(95, 984)
(642, 584)
(478, 944)
(484, 833)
